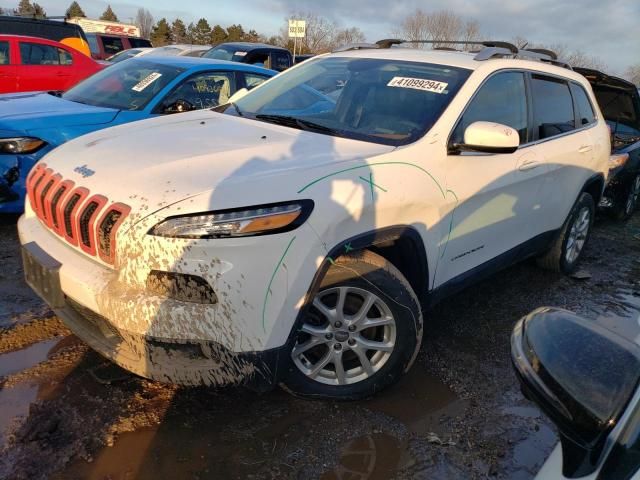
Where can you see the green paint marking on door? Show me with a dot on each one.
(273, 275)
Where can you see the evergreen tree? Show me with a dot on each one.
(218, 35)
(74, 10)
(109, 15)
(201, 33)
(39, 11)
(161, 33)
(235, 33)
(179, 31)
(25, 8)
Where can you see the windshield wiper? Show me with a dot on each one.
(299, 123)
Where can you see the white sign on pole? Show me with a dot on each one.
(297, 28)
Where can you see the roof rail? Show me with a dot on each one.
(389, 42)
(543, 51)
(355, 46)
(492, 49)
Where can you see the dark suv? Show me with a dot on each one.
(620, 104)
(268, 56)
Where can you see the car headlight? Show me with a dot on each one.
(20, 144)
(259, 220)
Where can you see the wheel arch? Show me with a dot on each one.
(386, 242)
(594, 186)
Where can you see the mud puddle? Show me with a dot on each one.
(205, 435)
(25, 358)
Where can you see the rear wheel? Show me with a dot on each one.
(568, 247)
(629, 202)
(359, 335)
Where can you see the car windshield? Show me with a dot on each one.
(377, 100)
(123, 55)
(126, 85)
(226, 52)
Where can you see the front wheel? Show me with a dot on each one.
(360, 334)
(568, 247)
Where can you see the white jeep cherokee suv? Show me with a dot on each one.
(295, 236)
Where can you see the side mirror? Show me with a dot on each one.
(179, 106)
(581, 375)
(238, 95)
(489, 137)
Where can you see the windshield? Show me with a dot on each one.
(125, 85)
(225, 52)
(377, 100)
(123, 55)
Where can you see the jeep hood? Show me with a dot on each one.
(31, 111)
(155, 163)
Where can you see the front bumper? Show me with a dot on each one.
(237, 340)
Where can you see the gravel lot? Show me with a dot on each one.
(66, 413)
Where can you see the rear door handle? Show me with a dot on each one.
(585, 148)
(529, 165)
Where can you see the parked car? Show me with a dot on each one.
(31, 125)
(182, 50)
(294, 236)
(30, 64)
(268, 56)
(619, 102)
(586, 378)
(130, 53)
(104, 46)
(302, 58)
(68, 34)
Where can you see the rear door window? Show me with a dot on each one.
(4, 53)
(39, 54)
(280, 61)
(552, 106)
(502, 99)
(586, 115)
(252, 80)
(112, 45)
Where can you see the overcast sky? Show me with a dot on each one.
(605, 28)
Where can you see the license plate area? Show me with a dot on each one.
(42, 274)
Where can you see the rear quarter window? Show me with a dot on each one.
(586, 114)
(552, 106)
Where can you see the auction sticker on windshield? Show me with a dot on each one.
(145, 82)
(418, 84)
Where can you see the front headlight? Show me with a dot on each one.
(617, 160)
(20, 144)
(259, 220)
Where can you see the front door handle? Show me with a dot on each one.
(585, 148)
(529, 165)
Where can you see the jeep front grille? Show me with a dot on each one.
(84, 221)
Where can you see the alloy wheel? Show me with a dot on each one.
(578, 234)
(348, 335)
(632, 199)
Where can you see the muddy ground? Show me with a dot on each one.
(66, 413)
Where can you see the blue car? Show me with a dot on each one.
(32, 124)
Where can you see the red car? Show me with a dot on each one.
(32, 64)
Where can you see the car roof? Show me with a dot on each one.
(31, 38)
(250, 46)
(198, 63)
(459, 59)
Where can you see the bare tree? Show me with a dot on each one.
(348, 36)
(440, 27)
(633, 74)
(144, 21)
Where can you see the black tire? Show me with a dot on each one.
(556, 257)
(369, 273)
(624, 207)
